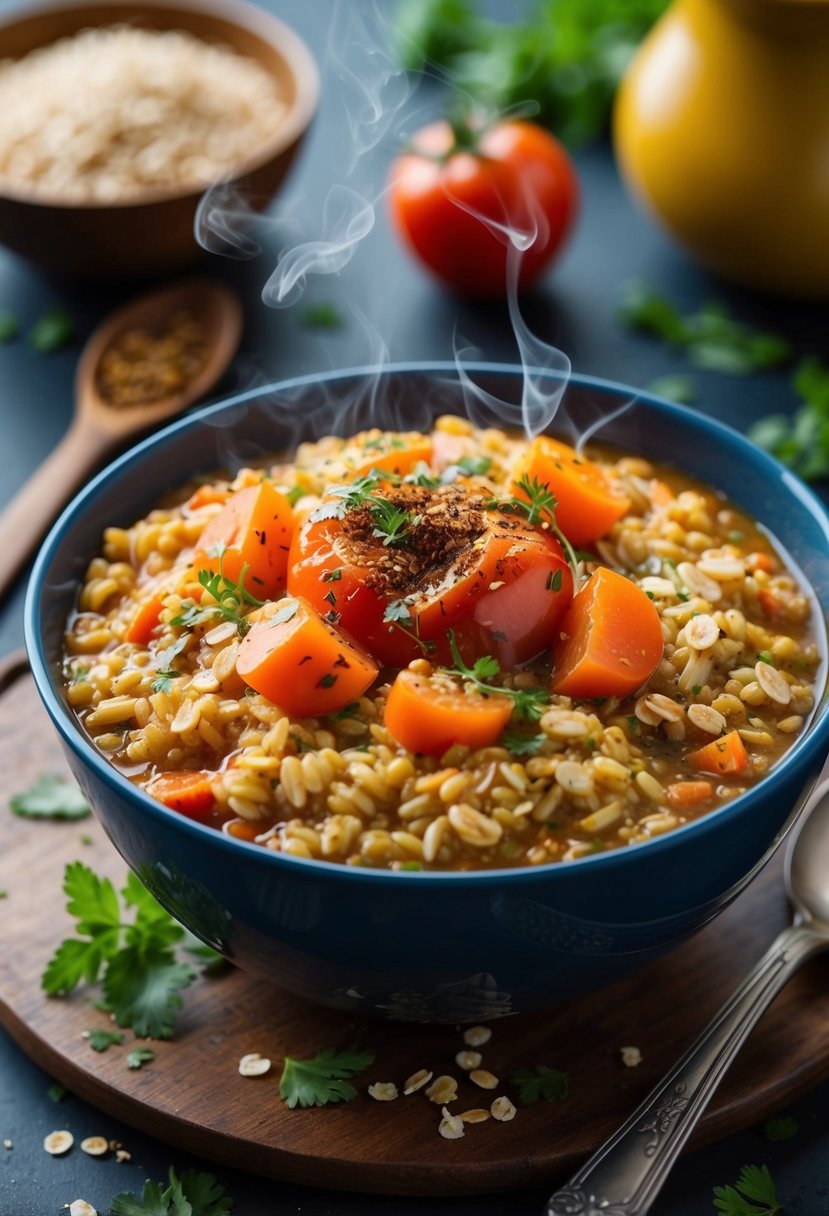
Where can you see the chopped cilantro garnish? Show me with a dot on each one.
(139, 1056)
(53, 331)
(322, 1079)
(194, 1194)
(332, 576)
(50, 797)
(527, 703)
(521, 744)
(541, 1083)
(102, 1040)
(753, 1194)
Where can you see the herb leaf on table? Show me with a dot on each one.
(54, 330)
(802, 441)
(194, 1194)
(541, 1083)
(322, 1079)
(135, 958)
(753, 1194)
(712, 338)
(50, 797)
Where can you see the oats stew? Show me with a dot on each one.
(451, 651)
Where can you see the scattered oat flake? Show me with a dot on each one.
(443, 1089)
(477, 1115)
(417, 1080)
(57, 1143)
(7, 1144)
(121, 1155)
(486, 1080)
(383, 1091)
(79, 1207)
(254, 1065)
(451, 1126)
(502, 1110)
(467, 1060)
(631, 1056)
(96, 1146)
(476, 1036)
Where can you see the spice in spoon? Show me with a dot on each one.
(143, 365)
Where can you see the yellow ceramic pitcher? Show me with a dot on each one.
(722, 129)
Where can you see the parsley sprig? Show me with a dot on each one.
(398, 616)
(712, 338)
(135, 959)
(753, 1194)
(540, 509)
(323, 1078)
(541, 1083)
(527, 703)
(230, 597)
(50, 797)
(802, 441)
(393, 525)
(194, 1194)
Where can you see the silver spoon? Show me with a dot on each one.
(624, 1177)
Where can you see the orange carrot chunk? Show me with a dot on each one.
(428, 715)
(189, 793)
(207, 494)
(145, 621)
(301, 662)
(587, 505)
(724, 757)
(685, 794)
(610, 639)
(387, 451)
(253, 529)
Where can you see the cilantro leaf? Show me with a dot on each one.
(9, 327)
(141, 989)
(475, 466)
(527, 703)
(780, 1127)
(50, 797)
(321, 316)
(102, 1040)
(801, 442)
(521, 744)
(55, 1092)
(163, 682)
(152, 1202)
(679, 388)
(712, 338)
(754, 1187)
(398, 611)
(322, 1079)
(204, 1194)
(139, 1056)
(54, 330)
(539, 1083)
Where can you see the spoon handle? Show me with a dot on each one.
(626, 1174)
(24, 520)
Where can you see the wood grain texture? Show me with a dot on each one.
(193, 1097)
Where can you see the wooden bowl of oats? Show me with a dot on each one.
(116, 118)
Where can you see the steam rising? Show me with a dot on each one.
(374, 104)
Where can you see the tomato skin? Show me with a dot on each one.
(506, 600)
(449, 212)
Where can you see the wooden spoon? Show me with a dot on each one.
(97, 426)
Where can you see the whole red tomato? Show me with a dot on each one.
(455, 205)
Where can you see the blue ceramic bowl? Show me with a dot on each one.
(428, 946)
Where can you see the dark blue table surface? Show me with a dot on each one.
(385, 302)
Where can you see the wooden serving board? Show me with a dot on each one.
(193, 1096)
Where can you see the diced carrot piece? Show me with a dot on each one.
(587, 505)
(205, 495)
(388, 451)
(301, 662)
(255, 527)
(428, 716)
(611, 639)
(761, 561)
(723, 757)
(685, 794)
(145, 621)
(769, 602)
(243, 830)
(189, 793)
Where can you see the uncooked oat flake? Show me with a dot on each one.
(502, 1109)
(417, 1080)
(58, 1143)
(442, 1090)
(254, 1065)
(383, 1091)
(79, 1207)
(451, 1126)
(478, 1114)
(631, 1056)
(467, 1060)
(95, 1146)
(476, 1036)
(484, 1078)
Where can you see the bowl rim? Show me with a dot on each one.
(291, 48)
(812, 741)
